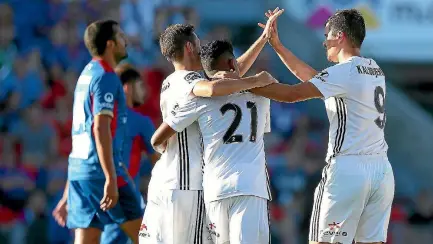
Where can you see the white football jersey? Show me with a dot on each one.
(180, 166)
(354, 93)
(232, 128)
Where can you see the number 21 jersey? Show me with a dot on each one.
(354, 93)
(232, 128)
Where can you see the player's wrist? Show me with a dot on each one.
(275, 43)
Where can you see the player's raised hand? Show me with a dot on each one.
(226, 75)
(271, 28)
(111, 195)
(264, 79)
(60, 213)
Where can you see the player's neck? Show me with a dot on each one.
(129, 102)
(108, 59)
(348, 53)
(185, 66)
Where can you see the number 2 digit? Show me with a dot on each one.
(379, 103)
(229, 136)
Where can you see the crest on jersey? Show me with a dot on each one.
(192, 76)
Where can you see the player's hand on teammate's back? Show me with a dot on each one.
(264, 79)
(111, 195)
(271, 28)
(60, 213)
(226, 75)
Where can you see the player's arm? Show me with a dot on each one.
(178, 119)
(227, 86)
(288, 93)
(328, 83)
(104, 93)
(247, 59)
(300, 69)
(148, 129)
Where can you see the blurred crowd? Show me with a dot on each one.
(41, 55)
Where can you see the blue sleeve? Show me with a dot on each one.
(105, 94)
(146, 133)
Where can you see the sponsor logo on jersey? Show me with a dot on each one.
(143, 231)
(176, 107)
(107, 105)
(165, 87)
(108, 97)
(333, 230)
(211, 228)
(192, 76)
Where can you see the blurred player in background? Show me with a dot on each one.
(175, 209)
(235, 181)
(97, 178)
(139, 132)
(353, 200)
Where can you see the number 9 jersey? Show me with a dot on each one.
(354, 93)
(98, 92)
(232, 129)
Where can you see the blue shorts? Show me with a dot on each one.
(112, 233)
(84, 210)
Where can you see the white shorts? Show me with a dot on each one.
(174, 217)
(353, 200)
(239, 220)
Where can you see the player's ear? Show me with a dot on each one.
(232, 64)
(340, 36)
(189, 47)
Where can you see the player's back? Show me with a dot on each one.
(233, 128)
(98, 91)
(357, 114)
(180, 165)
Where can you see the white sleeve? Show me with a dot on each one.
(333, 81)
(183, 114)
(268, 115)
(192, 78)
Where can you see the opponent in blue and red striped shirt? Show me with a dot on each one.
(99, 191)
(140, 131)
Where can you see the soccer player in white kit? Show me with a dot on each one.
(235, 181)
(353, 200)
(175, 209)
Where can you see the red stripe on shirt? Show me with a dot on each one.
(135, 156)
(107, 67)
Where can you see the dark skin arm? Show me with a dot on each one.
(288, 93)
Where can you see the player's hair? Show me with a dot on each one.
(212, 51)
(127, 73)
(350, 22)
(172, 41)
(97, 34)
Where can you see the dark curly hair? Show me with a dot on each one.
(173, 40)
(97, 34)
(127, 73)
(350, 22)
(212, 51)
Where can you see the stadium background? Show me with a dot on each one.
(42, 53)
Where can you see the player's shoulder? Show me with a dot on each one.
(184, 76)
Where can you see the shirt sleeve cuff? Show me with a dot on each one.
(318, 84)
(105, 112)
(173, 125)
